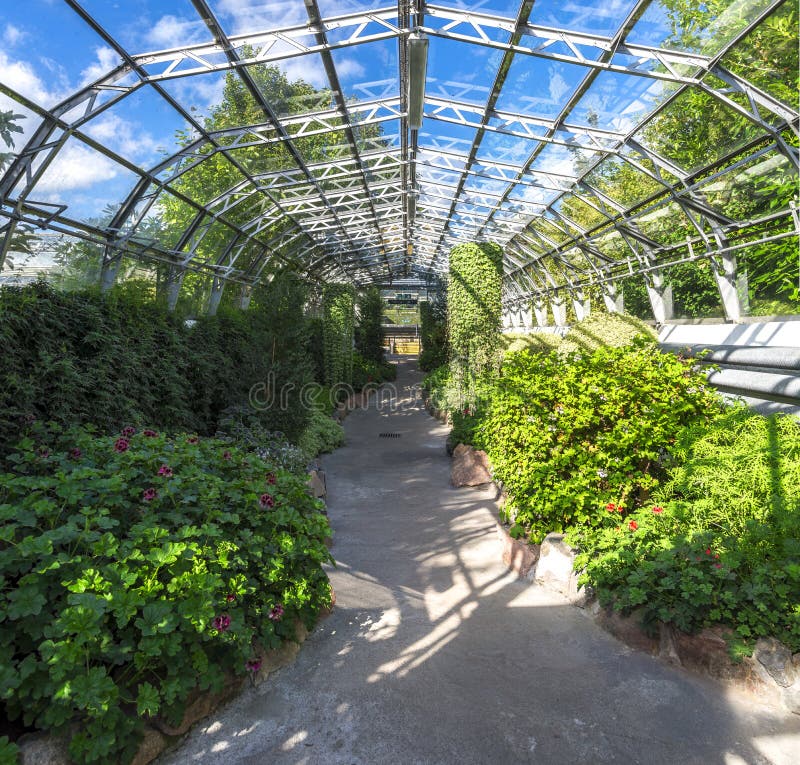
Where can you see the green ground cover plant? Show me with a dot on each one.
(138, 567)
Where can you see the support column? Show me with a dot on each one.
(660, 295)
(559, 308)
(109, 271)
(525, 317)
(613, 298)
(175, 281)
(217, 288)
(582, 305)
(743, 288)
(540, 312)
(724, 268)
(245, 297)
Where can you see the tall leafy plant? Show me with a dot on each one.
(474, 291)
(369, 335)
(338, 317)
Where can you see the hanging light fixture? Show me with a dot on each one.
(417, 67)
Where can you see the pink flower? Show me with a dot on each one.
(266, 500)
(149, 433)
(230, 597)
(44, 453)
(75, 454)
(633, 525)
(221, 623)
(165, 470)
(128, 432)
(226, 455)
(271, 479)
(276, 613)
(192, 440)
(121, 445)
(708, 551)
(658, 510)
(149, 494)
(253, 665)
(717, 565)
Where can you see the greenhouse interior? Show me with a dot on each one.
(399, 383)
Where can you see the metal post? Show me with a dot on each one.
(217, 287)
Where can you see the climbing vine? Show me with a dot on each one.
(338, 318)
(474, 289)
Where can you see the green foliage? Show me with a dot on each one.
(536, 342)
(322, 434)
(137, 568)
(433, 334)
(567, 435)
(474, 292)
(366, 372)
(721, 540)
(83, 357)
(368, 332)
(604, 329)
(338, 305)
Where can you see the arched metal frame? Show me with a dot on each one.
(380, 213)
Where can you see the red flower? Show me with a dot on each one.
(633, 525)
(271, 479)
(658, 510)
(128, 432)
(148, 495)
(149, 433)
(611, 507)
(276, 613)
(121, 445)
(266, 500)
(75, 454)
(165, 470)
(226, 455)
(221, 623)
(708, 551)
(192, 440)
(253, 665)
(230, 597)
(717, 565)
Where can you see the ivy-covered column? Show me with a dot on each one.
(474, 305)
(612, 297)
(540, 311)
(338, 319)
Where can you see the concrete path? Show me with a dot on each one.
(435, 654)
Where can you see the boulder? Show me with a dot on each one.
(43, 749)
(628, 629)
(776, 658)
(791, 698)
(153, 743)
(517, 554)
(469, 467)
(667, 649)
(316, 484)
(555, 570)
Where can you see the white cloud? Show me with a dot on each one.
(107, 59)
(349, 67)
(20, 76)
(12, 35)
(172, 32)
(126, 138)
(306, 68)
(76, 167)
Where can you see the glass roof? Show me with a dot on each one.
(225, 135)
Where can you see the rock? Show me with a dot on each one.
(43, 749)
(281, 657)
(667, 649)
(316, 484)
(796, 662)
(517, 554)
(628, 630)
(153, 743)
(554, 569)
(201, 703)
(791, 698)
(470, 467)
(776, 659)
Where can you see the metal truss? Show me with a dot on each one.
(380, 210)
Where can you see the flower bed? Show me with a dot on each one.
(138, 568)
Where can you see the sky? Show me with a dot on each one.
(47, 53)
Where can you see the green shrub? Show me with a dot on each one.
(536, 342)
(322, 434)
(433, 335)
(136, 568)
(368, 332)
(372, 372)
(604, 329)
(721, 540)
(567, 436)
(338, 307)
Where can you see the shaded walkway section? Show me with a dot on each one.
(436, 654)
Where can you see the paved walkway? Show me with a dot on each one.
(435, 654)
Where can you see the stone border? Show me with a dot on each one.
(44, 748)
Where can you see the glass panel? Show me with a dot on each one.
(695, 129)
(583, 215)
(635, 298)
(459, 71)
(538, 87)
(622, 182)
(769, 278)
(665, 224)
(695, 294)
(697, 27)
(506, 148)
(582, 15)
